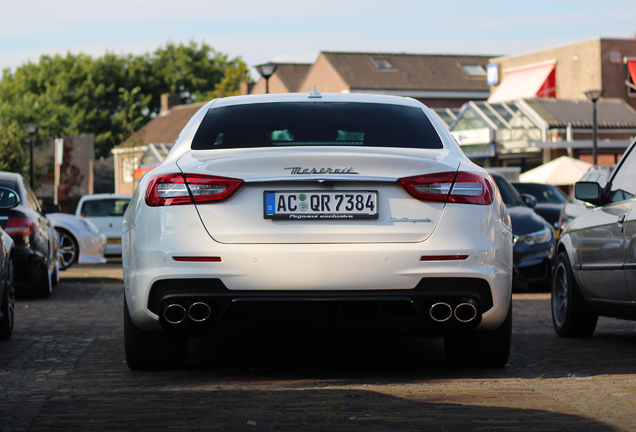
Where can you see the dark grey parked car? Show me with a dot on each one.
(35, 240)
(7, 290)
(595, 268)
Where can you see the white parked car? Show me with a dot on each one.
(79, 240)
(106, 212)
(333, 210)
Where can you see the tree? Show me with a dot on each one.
(110, 97)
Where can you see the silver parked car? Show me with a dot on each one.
(106, 212)
(79, 240)
(595, 269)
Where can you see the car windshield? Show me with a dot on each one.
(313, 124)
(545, 194)
(104, 207)
(509, 195)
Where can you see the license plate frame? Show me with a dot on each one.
(320, 204)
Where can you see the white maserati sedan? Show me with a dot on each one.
(304, 211)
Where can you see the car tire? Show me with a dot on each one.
(571, 315)
(7, 305)
(69, 248)
(487, 349)
(153, 350)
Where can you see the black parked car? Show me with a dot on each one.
(7, 290)
(534, 240)
(35, 240)
(550, 200)
(595, 268)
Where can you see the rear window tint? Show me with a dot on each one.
(105, 207)
(316, 124)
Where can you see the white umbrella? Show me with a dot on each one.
(561, 171)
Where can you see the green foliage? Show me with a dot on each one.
(110, 97)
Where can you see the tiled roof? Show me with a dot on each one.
(292, 74)
(163, 129)
(408, 71)
(558, 113)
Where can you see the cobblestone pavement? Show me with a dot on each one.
(64, 370)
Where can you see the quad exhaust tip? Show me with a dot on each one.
(199, 312)
(441, 312)
(463, 312)
(176, 313)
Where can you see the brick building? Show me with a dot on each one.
(438, 80)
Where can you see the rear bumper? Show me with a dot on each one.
(434, 306)
(28, 266)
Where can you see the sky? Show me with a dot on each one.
(259, 31)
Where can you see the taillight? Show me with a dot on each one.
(175, 189)
(19, 226)
(461, 187)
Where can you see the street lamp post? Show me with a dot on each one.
(594, 96)
(266, 70)
(32, 129)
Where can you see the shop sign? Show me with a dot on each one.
(473, 136)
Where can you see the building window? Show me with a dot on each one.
(382, 63)
(128, 167)
(474, 71)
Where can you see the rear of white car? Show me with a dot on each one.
(106, 212)
(335, 210)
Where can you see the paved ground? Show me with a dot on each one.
(64, 370)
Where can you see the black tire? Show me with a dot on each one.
(153, 350)
(487, 349)
(68, 248)
(571, 316)
(7, 305)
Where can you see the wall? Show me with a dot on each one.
(582, 66)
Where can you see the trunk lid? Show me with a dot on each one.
(320, 175)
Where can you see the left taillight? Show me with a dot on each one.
(177, 188)
(457, 187)
(19, 226)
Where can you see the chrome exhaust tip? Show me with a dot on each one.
(465, 312)
(441, 312)
(199, 312)
(174, 313)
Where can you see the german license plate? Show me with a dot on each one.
(321, 205)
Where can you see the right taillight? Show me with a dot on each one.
(457, 187)
(19, 226)
(177, 188)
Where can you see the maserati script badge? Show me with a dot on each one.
(326, 170)
(414, 220)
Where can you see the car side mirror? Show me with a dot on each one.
(590, 192)
(8, 198)
(529, 200)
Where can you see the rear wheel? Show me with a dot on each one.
(153, 350)
(489, 349)
(7, 305)
(68, 247)
(571, 316)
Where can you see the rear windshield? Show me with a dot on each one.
(316, 124)
(105, 207)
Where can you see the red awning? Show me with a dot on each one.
(631, 65)
(526, 82)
